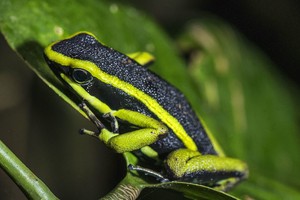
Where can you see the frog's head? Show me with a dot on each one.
(86, 66)
(72, 60)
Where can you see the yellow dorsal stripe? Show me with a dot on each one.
(150, 103)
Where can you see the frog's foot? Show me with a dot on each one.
(93, 118)
(148, 172)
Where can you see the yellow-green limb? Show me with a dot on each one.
(143, 58)
(151, 130)
(183, 162)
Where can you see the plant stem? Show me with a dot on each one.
(30, 184)
(123, 192)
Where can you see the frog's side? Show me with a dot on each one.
(164, 124)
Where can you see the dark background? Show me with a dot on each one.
(29, 126)
(273, 25)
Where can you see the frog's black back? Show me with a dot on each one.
(85, 47)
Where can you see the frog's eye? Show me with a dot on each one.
(81, 76)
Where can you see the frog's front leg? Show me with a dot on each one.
(150, 130)
(221, 173)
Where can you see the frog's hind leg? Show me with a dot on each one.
(221, 173)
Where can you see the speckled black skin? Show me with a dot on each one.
(85, 47)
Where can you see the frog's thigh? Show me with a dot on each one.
(150, 130)
(188, 165)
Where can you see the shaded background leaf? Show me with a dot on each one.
(244, 103)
